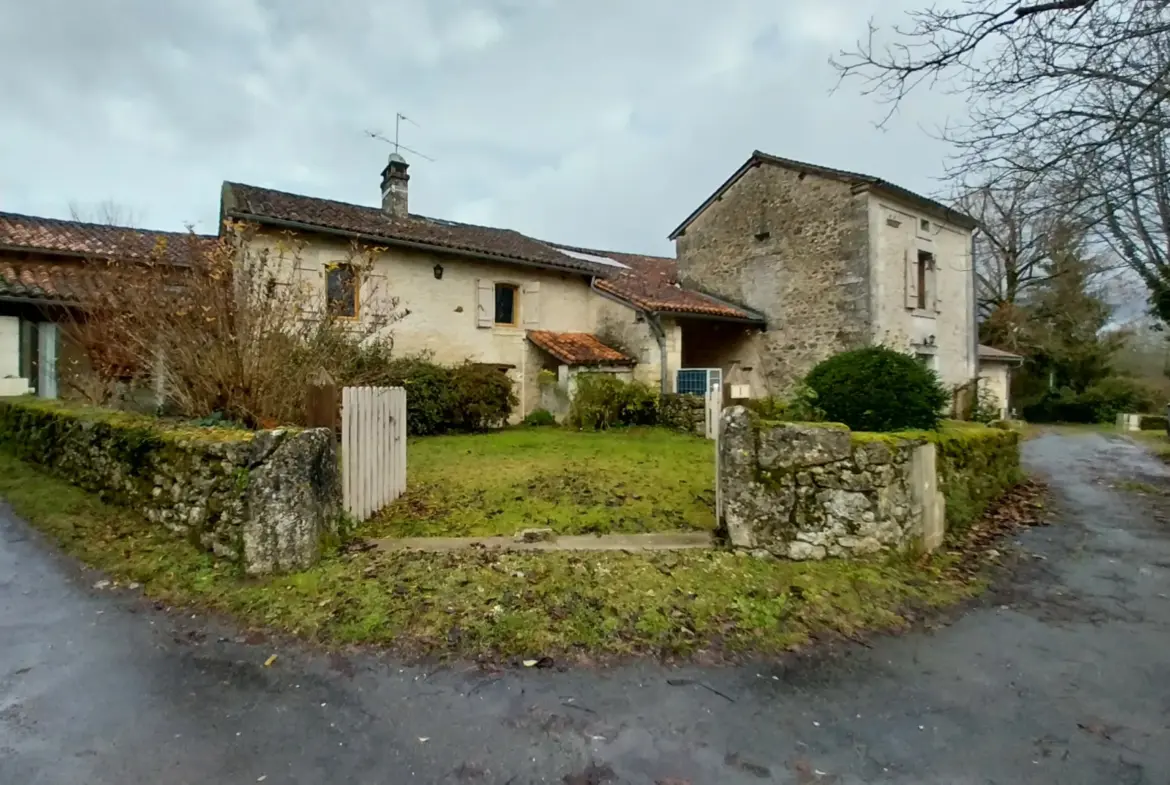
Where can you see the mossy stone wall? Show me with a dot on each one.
(261, 499)
(812, 490)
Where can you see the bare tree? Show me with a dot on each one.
(1014, 217)
(227, 326)
(1077, 90)
(106, 212)
(1136, 219)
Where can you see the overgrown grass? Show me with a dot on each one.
(501, 604)
(575, 482)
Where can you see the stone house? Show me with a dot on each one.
(785, 264)
(46, 267)
(488, 295)
(833, 260)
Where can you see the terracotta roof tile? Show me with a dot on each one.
(578, 348)
(45, 281)
(76, 238)
(651, 283)
(249, 203)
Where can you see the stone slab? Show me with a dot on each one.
(664, 541)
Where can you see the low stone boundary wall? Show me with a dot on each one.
(683, 412)
(262, 499)
(811, 490)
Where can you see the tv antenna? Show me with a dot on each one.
(398, 118)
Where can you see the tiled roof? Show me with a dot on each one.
(44, 281)
(991, 353)
(651, 283)
(76, 238)
(249, 203)
(855, 178)
(578, 348)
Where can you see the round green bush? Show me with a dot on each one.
(878, 389)
(538, 418)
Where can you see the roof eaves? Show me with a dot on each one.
(383, 240)
(751, 162)
(928, 205)
(896, 191)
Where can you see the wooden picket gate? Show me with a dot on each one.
(373, 448)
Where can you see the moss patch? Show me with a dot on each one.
(575, 482)
(476, 603)
(39, 410)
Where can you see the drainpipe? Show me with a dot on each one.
(656, 329)
(660, 336)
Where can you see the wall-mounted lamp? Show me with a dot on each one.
(438, 271)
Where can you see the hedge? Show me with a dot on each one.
(262, 499)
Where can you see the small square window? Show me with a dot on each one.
(505, 303)
(924, 225)
(341, 291)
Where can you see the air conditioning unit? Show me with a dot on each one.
(697, 381)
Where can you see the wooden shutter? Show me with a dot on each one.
(485, 302)
(911, 265)
(530, 305)
(932, 285)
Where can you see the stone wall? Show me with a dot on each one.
(794, 247)
(944, 331)
(683, 413)
(806, 491)
(263, 500)
(811, 490)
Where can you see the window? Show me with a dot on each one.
(924, 225)
(505, 303)
(925, 266)
(341, 291)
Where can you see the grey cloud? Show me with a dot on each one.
(598, 123)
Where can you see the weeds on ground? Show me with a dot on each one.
(575, 482)
(492, 604)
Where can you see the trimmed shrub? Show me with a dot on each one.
(976, 465)
(441, 399)
(538, 418)
(878, 389)
(601, 400)
(483, 397)
(1100, 403)
(1152, 422)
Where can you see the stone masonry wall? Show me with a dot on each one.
(686, 413)
(263, 500)
(805, 491)
(796, 248)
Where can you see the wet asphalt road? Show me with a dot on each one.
(1062, 676)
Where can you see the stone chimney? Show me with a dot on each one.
(394, 186)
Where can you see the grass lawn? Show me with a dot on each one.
(574, 482)
(569, 605)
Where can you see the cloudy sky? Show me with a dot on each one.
(602, 123)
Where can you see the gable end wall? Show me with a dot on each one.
(795, 248)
